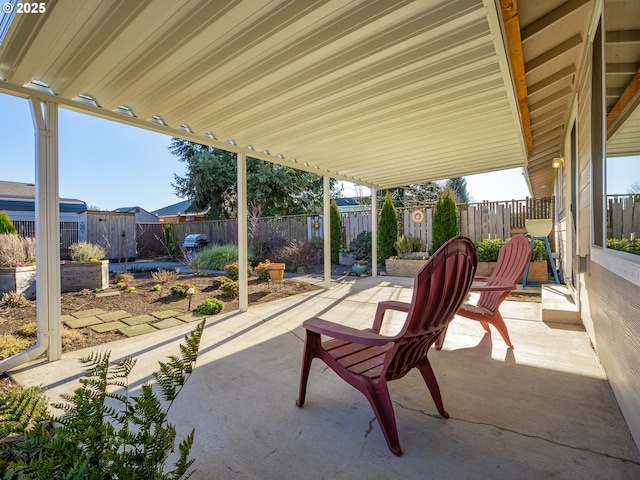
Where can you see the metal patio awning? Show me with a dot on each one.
(374, 92)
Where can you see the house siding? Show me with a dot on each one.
(608, 291)
(614, 313)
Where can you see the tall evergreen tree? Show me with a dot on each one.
(459, 187)
(336, 231)
(387, 228)
(445, 219)
(211, 183)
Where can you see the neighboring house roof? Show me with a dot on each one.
(135, 209)
(175, 209)
(142, 215)
(347, 202)
(18, 196)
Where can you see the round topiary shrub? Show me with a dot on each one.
(210, 306)
(181, 289)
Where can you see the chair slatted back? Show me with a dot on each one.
(512, 262)
(440, 287)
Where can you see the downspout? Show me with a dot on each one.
(45, 120)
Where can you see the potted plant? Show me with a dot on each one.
(538, 268)
(345, 257)
(276, 271)
(360, 249)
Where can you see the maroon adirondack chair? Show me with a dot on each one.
(368, 360)
(513, 259)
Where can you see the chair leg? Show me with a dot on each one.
(380, 401)
(498, 322)
(311, 342)
(485, 325)
(430, 379)
(440, 339)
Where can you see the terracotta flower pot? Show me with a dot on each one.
(276, 271)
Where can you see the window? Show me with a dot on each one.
(623, 203)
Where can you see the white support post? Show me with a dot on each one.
(45, 120)
(374, 232)
(326, 210)
(49, 339)
(243, 243)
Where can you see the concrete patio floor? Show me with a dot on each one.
(543, 409)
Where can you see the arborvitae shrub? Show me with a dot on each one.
(387, 229)
(445, 219)
(336, 231)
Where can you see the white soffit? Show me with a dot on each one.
(377, 92)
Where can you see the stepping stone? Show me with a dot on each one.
(139, 319)
(192, 317)
(133, 330)
(92, 312)
(113, 316)
(66, 318)
(167, 323)
(107, 327)
(161, 315)
(82, 322)
(107, 294)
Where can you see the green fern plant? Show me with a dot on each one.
(93, 438)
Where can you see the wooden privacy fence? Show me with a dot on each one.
(477, 220)
(623, 219)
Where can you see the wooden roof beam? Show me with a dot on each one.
(552, 18)
(511, 22)
(626, 104)
(554, 78)
(625, 37)
(621, 68)
(556, 51)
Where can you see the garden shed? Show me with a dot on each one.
(114, 231)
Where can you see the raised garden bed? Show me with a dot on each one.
(537, 271)
(401, 267)
(74, 277)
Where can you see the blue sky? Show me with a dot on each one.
(110, 165)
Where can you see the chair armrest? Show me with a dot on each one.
(342, 332)
(492, 288)
(383, 307)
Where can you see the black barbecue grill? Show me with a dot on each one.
(194, 241)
